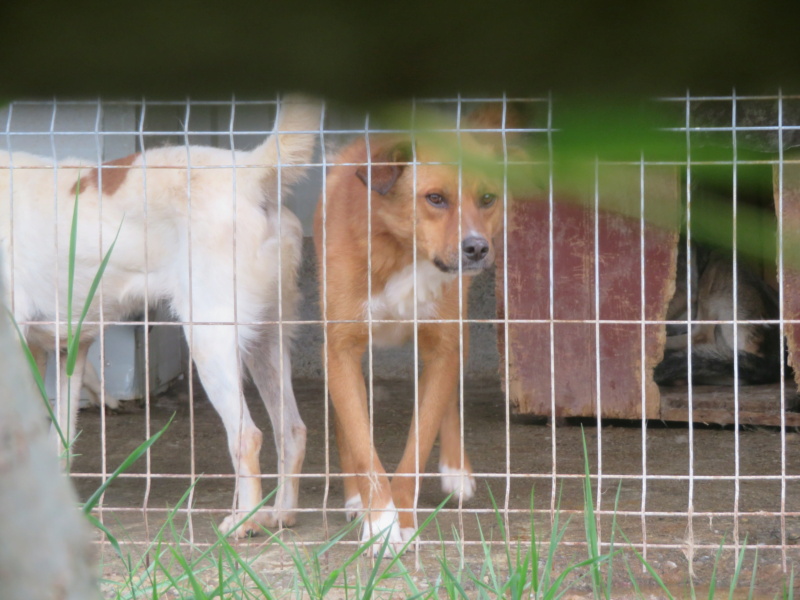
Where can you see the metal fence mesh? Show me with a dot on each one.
(674, 487)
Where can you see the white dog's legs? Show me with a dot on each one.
(263, 361)
(94, 388)
(214, 353)
(68, 400)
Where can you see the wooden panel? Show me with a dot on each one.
(614, 230)
(758, 405)
(791, 256)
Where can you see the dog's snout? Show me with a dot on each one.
(474, 248)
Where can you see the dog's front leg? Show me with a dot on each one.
(456, 469)
(349, 397)
(439, 352)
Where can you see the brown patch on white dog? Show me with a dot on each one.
(113, 174)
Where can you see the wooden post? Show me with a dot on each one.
(45, 551)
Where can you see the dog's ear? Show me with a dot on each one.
(495, 118)
(386, 166)
(489, 115)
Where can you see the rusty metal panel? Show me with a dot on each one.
(614, 233)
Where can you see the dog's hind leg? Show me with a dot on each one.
(263, 362)
(437, 391)
(94, 388)
(214, 351)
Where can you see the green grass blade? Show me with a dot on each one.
(197, 587)
(262, 587)
(632, 578)
(73, 241)
(72, 350)
(659, 582)
(590, 521)
(132, 458)
(534, 546)
(453, 581)
(753, 577)
(109, 536)
(393, 561)
(500, 526)
(738, 571)
(610, 572)
(488, 563)
(552, 592)
(712, 584)
(556, 535)
(37, 377)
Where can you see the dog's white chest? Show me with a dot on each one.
(396, 302)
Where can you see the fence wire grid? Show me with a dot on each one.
(681, 468)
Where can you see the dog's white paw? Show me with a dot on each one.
(266, 518)
(353, 507)
(230, 526)
(112, 402)
(385, 523)
(458, 482)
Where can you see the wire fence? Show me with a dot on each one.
(569, 328)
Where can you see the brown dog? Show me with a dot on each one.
(436, 218)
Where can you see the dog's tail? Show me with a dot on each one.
(293, 139)
(710, 366)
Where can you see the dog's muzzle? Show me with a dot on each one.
(473, 250)
(475, 256)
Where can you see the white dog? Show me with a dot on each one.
(198, 228)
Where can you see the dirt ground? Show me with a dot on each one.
(524, 449)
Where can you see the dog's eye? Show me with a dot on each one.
(487, 200)
(435, 199)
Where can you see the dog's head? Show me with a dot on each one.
(445, 189)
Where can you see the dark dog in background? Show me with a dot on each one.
(757, 345)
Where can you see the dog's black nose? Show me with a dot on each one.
(474, 248)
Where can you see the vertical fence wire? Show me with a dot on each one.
(690, 543)
(506, 404)
(597, 344)
(415, 317)
(282, 341)
(59, 400)
(781, 317)
(323, 303)
(643, 353)
(99, 147)
(461, 337)
(190, 329)
(370, 358)
(735, 319)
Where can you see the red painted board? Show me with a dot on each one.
(605, 222)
